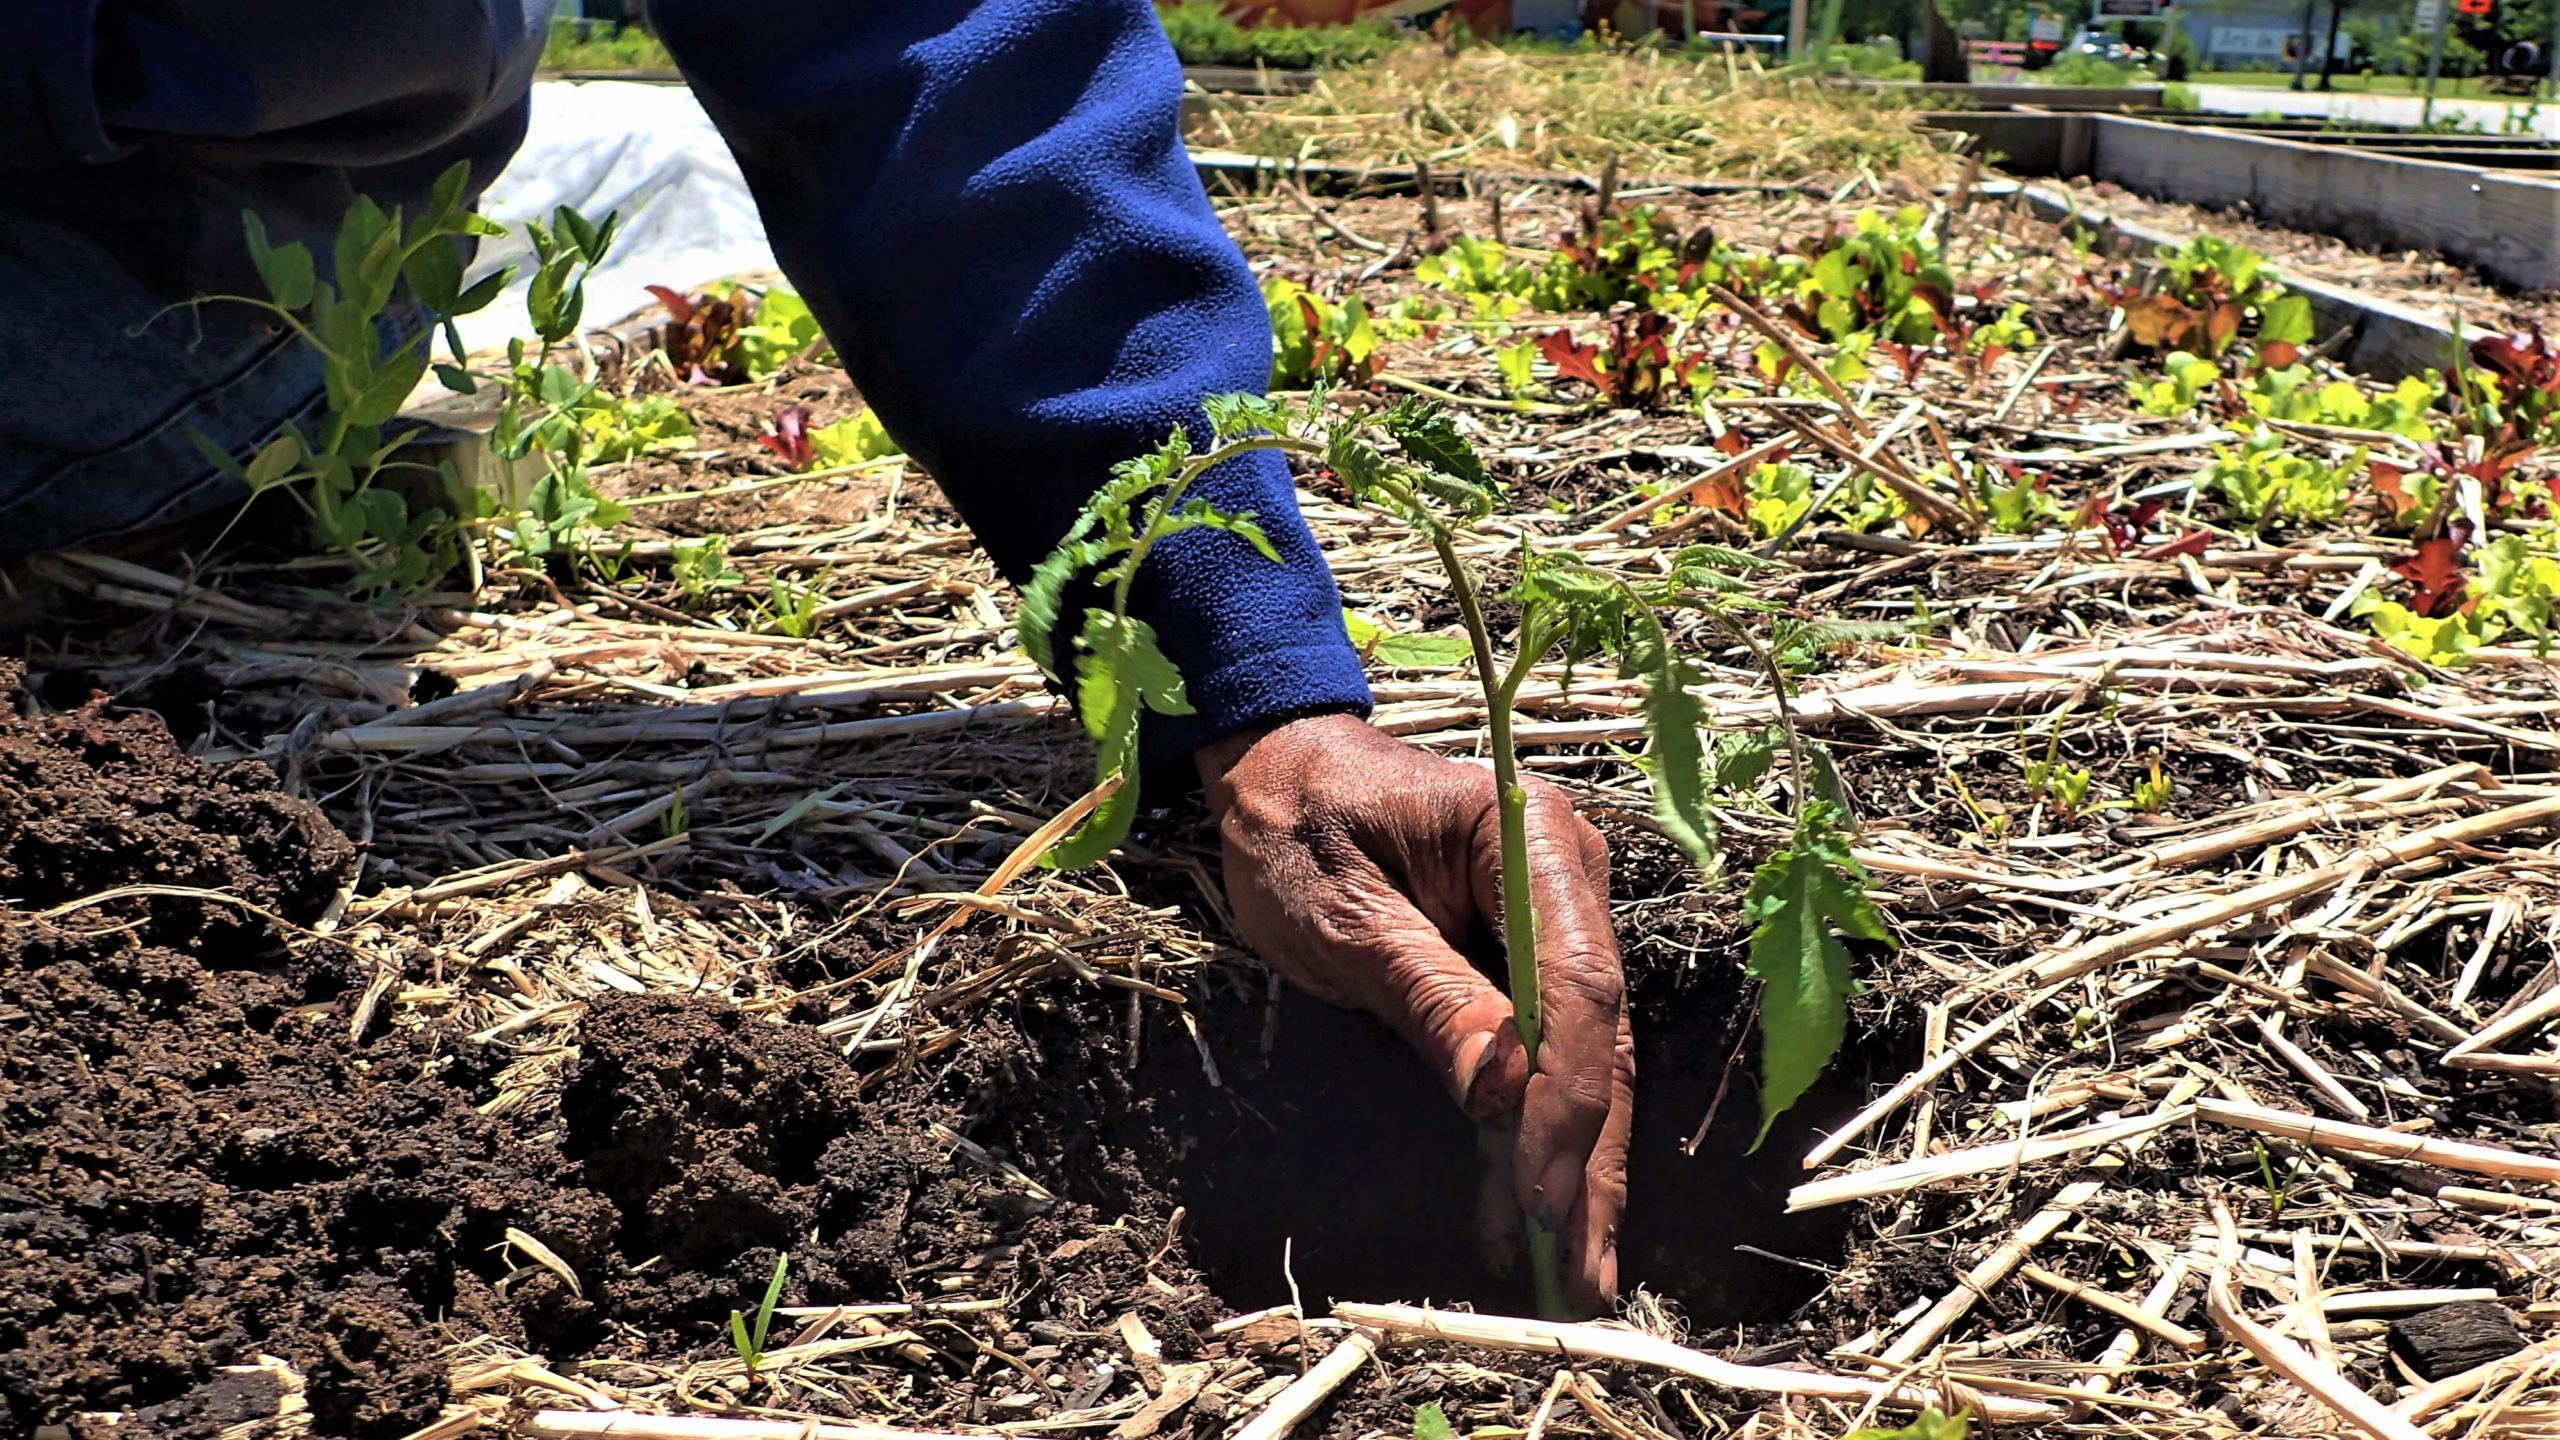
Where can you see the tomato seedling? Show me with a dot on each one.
(1412, 463)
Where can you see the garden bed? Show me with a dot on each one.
(2427, 283)
(654, 921)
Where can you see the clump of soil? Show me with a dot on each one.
(202, 1166)
(206, 1164)
(218, 1152)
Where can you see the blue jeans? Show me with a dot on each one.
(137, 135)
(106, 385)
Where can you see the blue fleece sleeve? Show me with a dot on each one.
(988, 206)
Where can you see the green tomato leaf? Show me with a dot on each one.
(1201, 515)
(1234, 416)
(1740, 760)
(1422, 652)
(1045, 594)
(1112, 685)
(1802, 900)
(1673, 721)
(1157, 682)
(1425, 431)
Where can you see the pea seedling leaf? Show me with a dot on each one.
(1431, 1423)
(287, 270)
(1802, 900)
(221, 459)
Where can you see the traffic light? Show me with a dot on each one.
(2472, 7)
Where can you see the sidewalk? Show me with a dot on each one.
(2404, 110)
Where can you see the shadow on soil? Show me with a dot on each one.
(1340, 1142)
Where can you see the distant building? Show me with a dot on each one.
(2261, 34)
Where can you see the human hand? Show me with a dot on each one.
(1356, 866)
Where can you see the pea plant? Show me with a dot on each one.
(336, 470)
(1410, 462)
(544, 402)
(374, 352)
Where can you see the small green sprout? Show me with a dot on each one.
(789, 608)
(2054, 780)
(1932, 1424)
(2152, 792)
(702, 566)
(750, 1344)
(2279, 1187)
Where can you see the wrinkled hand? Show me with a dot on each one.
(1357, 866)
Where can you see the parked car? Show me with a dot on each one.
(2108, 46)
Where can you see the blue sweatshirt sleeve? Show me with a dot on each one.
(988, 206)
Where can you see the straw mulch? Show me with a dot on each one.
(1651, 111)
(2197, 1102)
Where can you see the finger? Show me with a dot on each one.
(1591, 1236)
(1445, 1009)
(1581, 1000)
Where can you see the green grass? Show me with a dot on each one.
(1201, 32)
(1204, 34)
(600, 48)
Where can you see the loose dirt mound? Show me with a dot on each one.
(200, 1169)
(208, 1164)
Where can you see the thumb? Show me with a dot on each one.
(1451, 1015)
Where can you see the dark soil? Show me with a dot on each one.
(206, 1165)
(1329, 1133)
